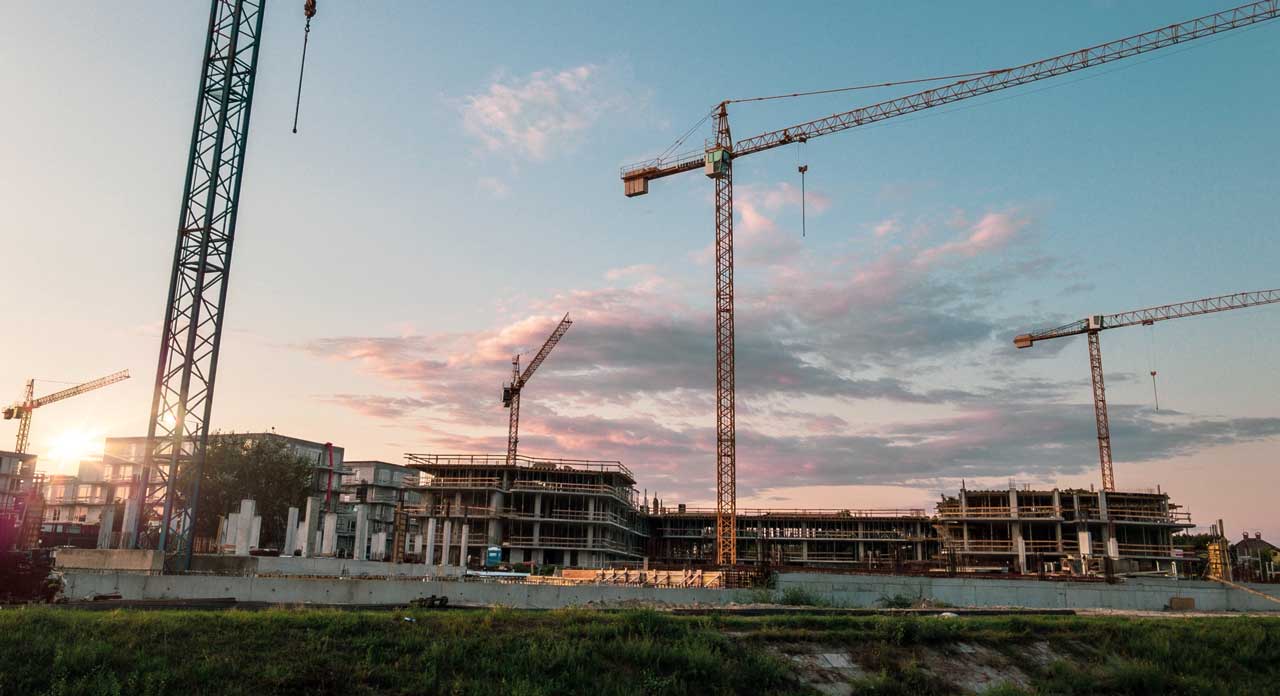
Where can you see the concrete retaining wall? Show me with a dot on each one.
(1151, 594)
(80, 585)
(110, 559)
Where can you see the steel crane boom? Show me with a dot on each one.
(29, 403)
(1093, 325)
(511, 392)
(716, 160)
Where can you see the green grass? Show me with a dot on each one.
(59, 651)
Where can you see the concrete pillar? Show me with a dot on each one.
(1020, 547)
(417, 545)
(360, 552)
(378, 547)
(108, 520)
(591, 527)
(312, 521)
(290, 533)
(804, 551)
(494, 532)
(537, 505)
(243, 526)
(329, 537)
(462, 546)
(129, 526)
(298, 536)
(430, 555)
(228, 540)
(446, 541)
(1013, 502)
(1085, 540)
(255, 532)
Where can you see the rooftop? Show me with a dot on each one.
(424, 462)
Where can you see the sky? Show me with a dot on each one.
(453, 191)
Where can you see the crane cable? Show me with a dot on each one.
(1151, 363)
(802, 166)
(309, 9)
(895, 83)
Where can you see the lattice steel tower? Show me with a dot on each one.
(188, 364)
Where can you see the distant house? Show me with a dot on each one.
(1255, 547)
(1256, 559)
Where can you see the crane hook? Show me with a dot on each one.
(308, 9)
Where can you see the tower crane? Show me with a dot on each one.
(1093, 325)
(511, 392)
(22, 410)
(191, 335)
(717, 158)
(33, 505)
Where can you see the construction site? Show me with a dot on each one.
(163, 516)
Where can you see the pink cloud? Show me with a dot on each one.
(991, 233)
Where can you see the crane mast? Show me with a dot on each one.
(187, 368)
(511, 392)
(716, 160)
(1093, 325)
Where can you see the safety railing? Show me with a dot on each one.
(423, 461)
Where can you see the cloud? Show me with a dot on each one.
(535, 115)
(850, 369)
(991, 233)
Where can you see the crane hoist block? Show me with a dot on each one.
(717, 162)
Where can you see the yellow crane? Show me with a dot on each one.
(33, 505)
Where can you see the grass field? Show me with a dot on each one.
(60, 651)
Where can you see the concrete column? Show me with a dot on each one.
(129, 526)
(310, 524)
(379, 547)
(804, 551)
(430, 555)
(537, 505)
(591, 526)
(290, 533)
(1057, 504)
(243, 527)
(108, 520)
(1013, 502)
(298, 536)
(417, 545)
(462, 544)
(329, 538)
(919, 544)
(494, 532)
(362, 533)
(446, 541)
(1085, 540)
(255, 532)
(230, 533)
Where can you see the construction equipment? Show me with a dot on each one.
(716, 161)
(187, 368)
(22, 410)
(511, 392)
(32, 502)
(1091, 326)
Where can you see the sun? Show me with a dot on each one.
(65, 450)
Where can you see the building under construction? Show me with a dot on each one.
(587, 514)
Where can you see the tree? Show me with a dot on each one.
(264, 469)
